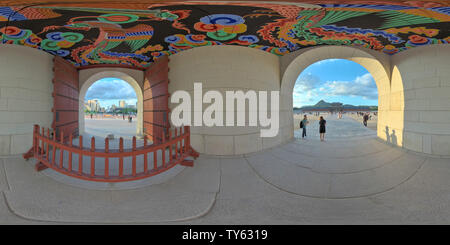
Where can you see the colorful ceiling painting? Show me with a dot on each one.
(137, 34)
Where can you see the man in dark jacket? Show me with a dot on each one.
(365, 119)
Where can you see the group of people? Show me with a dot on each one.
(322, 127)
(130, 118)
(323, 122)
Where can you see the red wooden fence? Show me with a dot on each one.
(46, 143)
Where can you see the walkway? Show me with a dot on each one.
(337, 129)
(347, 180)
(103, 127)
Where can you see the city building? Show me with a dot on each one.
(94, 105)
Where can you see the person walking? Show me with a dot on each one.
(322, 127)
(365, 118)
(303, 124)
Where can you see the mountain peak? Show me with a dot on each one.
(322, 103)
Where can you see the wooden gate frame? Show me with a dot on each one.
(65, 98)
(156, 100)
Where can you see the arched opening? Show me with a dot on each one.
(110, 107)
(390, 112)
(112, 76)
(340, 91)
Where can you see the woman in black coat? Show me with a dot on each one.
(322, 130)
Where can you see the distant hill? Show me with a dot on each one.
(323, 105)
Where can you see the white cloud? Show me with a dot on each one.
(306, 83)
(363, 86)
(110, 89)
(309, 89)
(326, 61)
(366, 80)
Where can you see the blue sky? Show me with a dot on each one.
(335, 80)
(109, 91)
(332, 80)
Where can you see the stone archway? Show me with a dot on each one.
(84, 86)
(390, 101)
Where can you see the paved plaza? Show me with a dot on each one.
(337, 129)
(351, 178)
(102, 127)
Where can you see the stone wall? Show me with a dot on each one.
(225, 68)
(425, 73)
(25, 96)
(413, 86)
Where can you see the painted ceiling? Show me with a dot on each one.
(137, 33)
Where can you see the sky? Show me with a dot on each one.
(332, 80)
(335, 80)
(109, 91)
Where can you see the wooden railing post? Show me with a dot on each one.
(93, 156)
(54, 148)
(35, 138)
(176, 144)
(80, 156)
(38, 153)
(180, 148)
(48, 148)
(121, 157)
(106, 158)
(61, 151)
(145, 156)
(170, 146)
(163, 149)
(186, 138)
(70, 153)
(155, 159)
(42, 144)
(134, 156)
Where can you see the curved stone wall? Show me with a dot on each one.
(225, 68)
(425, 72)
(413, 86)
(25, 96)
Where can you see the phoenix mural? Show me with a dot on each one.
(137, 35)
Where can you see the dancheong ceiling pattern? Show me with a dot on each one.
(136, 35)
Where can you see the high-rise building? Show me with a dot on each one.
(94, 105)
(122, 104)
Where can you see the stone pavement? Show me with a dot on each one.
(102, 127)
(337, 129)
(344, 180)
